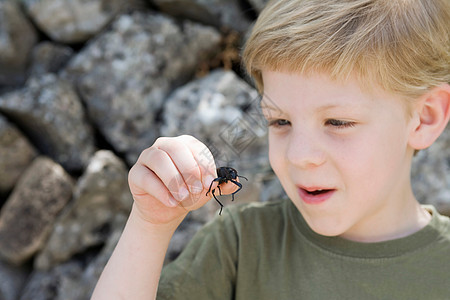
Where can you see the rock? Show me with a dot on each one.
(105, 180)
(75, 279)
(12, 278)
(218, 13)
(72, 21)
(222, 111)
(125, 74)
(49, 111)
(431, 174)
(100, 194)
(258, 5)
(48, 57)
(83, 288)
(47, 285)
(17, 38)
(16, 154)
(29, 214)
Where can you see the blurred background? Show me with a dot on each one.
(85, 86)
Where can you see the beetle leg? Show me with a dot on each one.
(240, 187)
(221, 205)
(209, 190)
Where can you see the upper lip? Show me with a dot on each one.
(312, 188)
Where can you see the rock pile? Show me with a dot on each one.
(85, 86)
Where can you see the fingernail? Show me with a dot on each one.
(196, 188)
(173, 202)
(207, 181)
(182, 193)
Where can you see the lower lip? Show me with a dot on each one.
(315, 199)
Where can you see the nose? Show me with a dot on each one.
(305, 151)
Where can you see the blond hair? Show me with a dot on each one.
(400, 45)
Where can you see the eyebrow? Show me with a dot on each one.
(348, 107)
(265, 102)
(328, 107)
(322, 108)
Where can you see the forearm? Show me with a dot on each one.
(134, 268)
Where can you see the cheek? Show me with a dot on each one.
(273, 153)
(375, 161)
(276, 155)
(278, 162)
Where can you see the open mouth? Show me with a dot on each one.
(315, 196)
(318, 192)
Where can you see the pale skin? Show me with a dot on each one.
(358, 144)
(335, 136)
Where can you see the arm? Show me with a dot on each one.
(164, 184)
(134, 268)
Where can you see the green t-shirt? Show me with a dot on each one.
(267, 251)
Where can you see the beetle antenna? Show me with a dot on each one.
(242, 177)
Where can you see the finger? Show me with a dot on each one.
(184, 161)
(204, 159)
(162, 165)
(229, 187)
(207, 166)
(143, 181)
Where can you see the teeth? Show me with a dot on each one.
(317, 192)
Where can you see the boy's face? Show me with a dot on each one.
(353, 146)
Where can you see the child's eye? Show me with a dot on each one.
(278, 123)
(340, 123)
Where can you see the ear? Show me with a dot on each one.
(430, 118)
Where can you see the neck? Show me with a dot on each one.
(393, 222)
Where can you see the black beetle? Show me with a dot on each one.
(225, 174)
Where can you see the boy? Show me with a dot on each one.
(358, 87)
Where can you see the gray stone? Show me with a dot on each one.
(49, 111)
(431, 174)
(16, 153)
(75, 279)
(12, 279)
(100, 194)
(48, 57)
(125, 74)
(222, 111)
(29, 214)
(72, 21)
(17, 38)
(258, 5)
(47, 285)
(83, 288)
(218, 13)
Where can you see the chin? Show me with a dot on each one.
(330, 232)
(326, 228)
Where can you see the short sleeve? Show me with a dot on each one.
(206, 269)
